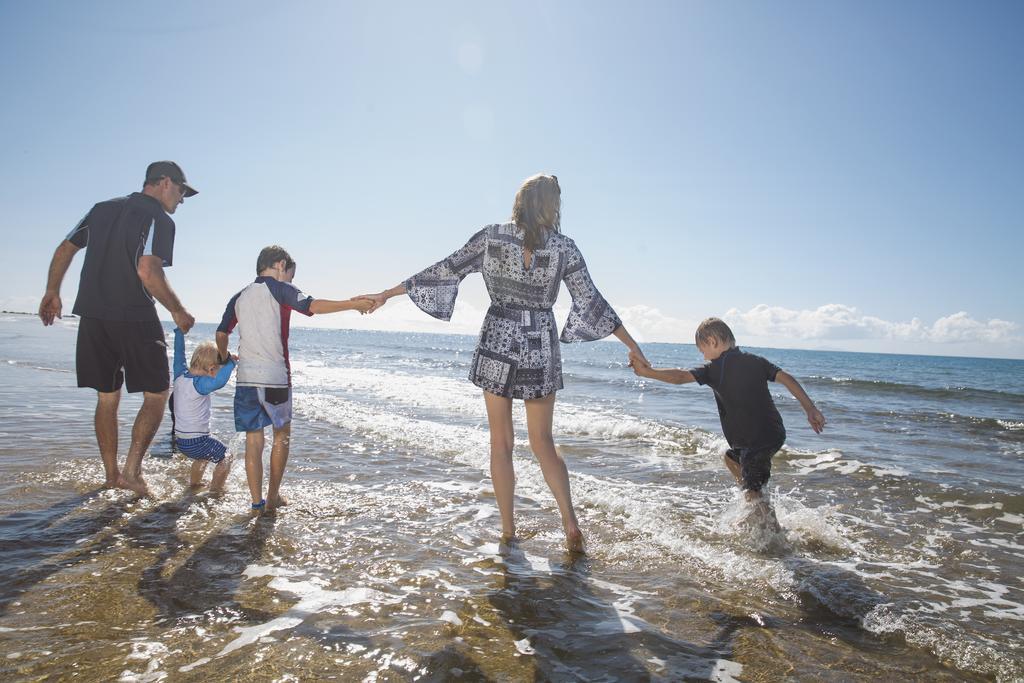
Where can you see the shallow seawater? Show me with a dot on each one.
(899, 553)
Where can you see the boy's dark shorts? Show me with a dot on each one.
(755, 465)
(115, 352)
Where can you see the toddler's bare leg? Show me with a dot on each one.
(220, 474)
(195, 479)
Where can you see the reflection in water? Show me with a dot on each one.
(572, 632)
(210, 577)
(36, 544)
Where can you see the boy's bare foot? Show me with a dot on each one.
(574, 539)
(277, 502)
(137, 486)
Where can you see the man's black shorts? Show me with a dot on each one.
(755, 465)
(111, 351)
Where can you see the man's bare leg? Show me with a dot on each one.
(105, 422)
(254, 464)
(278, 460)
(146, 423)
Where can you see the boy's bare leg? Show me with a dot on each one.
(734, 468)
(539, 415)
(195, 479)
(105, 422)
(503, 474)
(220, 474)
(254, 463)
(278, 460)
(146, 423)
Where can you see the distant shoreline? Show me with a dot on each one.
(72, 316)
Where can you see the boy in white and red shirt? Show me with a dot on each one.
(263, 395)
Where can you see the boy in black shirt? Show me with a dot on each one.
(750, 421)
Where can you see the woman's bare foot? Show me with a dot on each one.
(137, 486)
(574, 539)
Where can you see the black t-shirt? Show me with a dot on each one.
(740, 382)
(115, 234)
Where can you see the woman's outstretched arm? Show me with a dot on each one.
(634, 349)
(380, 298)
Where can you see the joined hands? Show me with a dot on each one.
(376, 301)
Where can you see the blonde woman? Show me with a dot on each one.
(523, 262)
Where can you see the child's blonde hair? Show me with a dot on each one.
(203, 357)
(714, 328)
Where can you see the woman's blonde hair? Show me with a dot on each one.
(538, 208)
(204, 357)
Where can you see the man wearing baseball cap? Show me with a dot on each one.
(128, 242)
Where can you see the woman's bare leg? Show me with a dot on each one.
(503, 475)
(539, 415)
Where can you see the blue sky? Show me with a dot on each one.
(822, 175)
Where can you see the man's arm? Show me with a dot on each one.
(151, 272)
(50, 307)
(321, 306)
(814, 416)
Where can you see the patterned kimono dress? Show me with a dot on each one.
(518, 355)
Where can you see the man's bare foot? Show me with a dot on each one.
(108, 484)
(138, 486)
(276, 502)
(574, 540)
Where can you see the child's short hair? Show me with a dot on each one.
(271, 255)
(714, 328)
(204, 357)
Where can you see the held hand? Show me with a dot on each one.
(364, 304)
(639, 363)
(816, 420)
(49, 308)
(184, 320)
(378, 300)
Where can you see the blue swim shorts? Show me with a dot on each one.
(257, 407)
(202, 448)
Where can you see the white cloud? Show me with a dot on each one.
(838, 322)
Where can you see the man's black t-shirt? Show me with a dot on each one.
(740, 382)
(115, 234)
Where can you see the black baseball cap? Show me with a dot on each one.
(169, 169)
